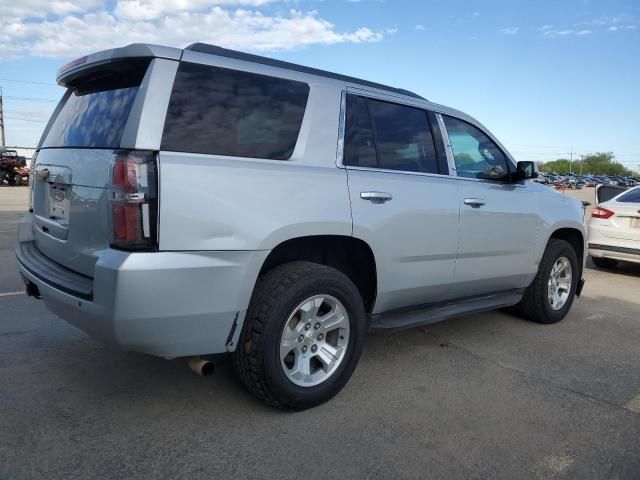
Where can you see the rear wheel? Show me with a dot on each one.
(551, 294)
(303, 335)
(604, 262)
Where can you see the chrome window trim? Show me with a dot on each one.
(341, 129)
(437, 175)
(399, 172)
(451, 159)
(447, 146)
(343, 121)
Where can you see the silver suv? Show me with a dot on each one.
(203, 201)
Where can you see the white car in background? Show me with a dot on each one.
(614, 229)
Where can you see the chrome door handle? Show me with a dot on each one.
(376, 197)
(474, 202)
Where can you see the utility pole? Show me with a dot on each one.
(581, 161)
(571, 161)
(2, 137)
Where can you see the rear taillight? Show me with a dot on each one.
(600, 212)
(134, 201)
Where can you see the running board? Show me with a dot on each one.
(397, 320)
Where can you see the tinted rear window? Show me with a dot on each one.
(228, 112)
(96, 107)
(632, 196)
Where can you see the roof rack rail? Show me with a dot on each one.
(248, 57)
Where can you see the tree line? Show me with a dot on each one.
(601, 163)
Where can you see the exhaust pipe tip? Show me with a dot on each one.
(200, 366)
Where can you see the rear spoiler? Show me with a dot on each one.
(80, 65)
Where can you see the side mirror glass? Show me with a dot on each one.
(525, 171)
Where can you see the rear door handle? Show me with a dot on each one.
(376, 197)
(474, 202)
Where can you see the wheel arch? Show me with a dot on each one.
(575, 237)
(350, 255)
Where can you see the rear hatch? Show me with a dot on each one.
(73, 168)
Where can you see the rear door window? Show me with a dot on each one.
(95, 109)
(403, 138)
(389, 136)
(220, 111)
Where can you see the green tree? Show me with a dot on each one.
(600, 163)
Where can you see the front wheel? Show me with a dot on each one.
(303, 335)
(549, 297)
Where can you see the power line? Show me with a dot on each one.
(27, 81)
(25, 120)
(567, 153)
(31, 99)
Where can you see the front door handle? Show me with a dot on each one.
(376, 197)
(474, 202)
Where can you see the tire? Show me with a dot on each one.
(604, 262)
(277, 298)
(535, 304)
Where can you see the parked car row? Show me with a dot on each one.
(573, 181)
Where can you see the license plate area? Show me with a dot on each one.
(59, 203)
(635, 222)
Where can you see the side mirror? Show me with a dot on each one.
(525, 171)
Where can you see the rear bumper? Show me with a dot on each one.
(603, 244)
(169, 304)
(614, 252)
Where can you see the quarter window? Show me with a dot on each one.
(388, 136)
(229, 112)
(475, 154)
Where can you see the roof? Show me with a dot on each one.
(247, 57)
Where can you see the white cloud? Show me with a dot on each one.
(151, 9)
(68, 35)
(565, 33)
(613, 29)
(510, 30)
(420, 28)
(631, 27)
(44, 8)
(545, 27)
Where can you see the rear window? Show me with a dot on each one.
(96, 107)
(632, 196)
(220, 111)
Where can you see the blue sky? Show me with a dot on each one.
(546, 77)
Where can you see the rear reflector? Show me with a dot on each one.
(134, 201)
(600, 212)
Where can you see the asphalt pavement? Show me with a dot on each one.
(484, 396)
